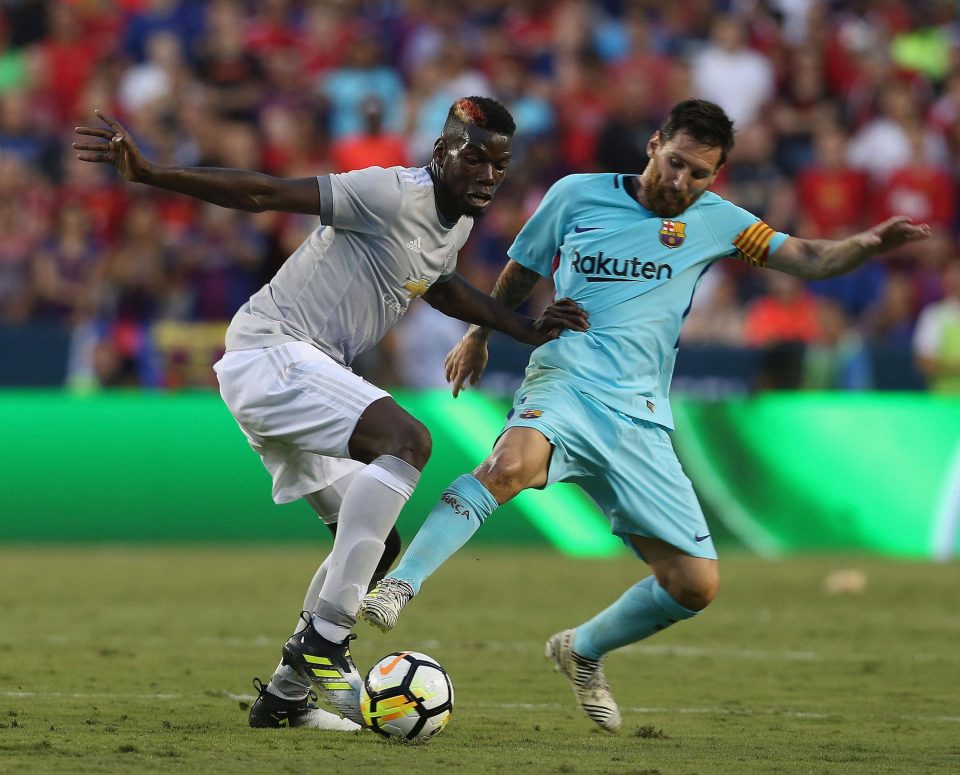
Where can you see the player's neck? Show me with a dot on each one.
(447, 212)
(633, 185)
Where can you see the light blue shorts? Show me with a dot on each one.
(628, 466)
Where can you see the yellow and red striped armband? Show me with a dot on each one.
(753, 243)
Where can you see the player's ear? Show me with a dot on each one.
(439, 151)
(653, 143)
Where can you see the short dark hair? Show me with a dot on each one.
(706, 122)
(484, 112)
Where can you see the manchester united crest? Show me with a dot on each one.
(672, 233)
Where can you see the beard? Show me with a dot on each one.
(473, 211)
(665, 201)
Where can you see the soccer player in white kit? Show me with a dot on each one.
(386, 237)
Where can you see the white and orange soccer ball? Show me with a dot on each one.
(407, 695)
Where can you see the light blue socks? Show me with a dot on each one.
(641, 611)
(462, 508)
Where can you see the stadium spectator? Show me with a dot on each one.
(361, 75)
(753, 179)
(923, 190)
(14, 68)
(68, 269)
(716, 315)
(786, 313)
(17, 249)
(158, 78)
(67, 58)
(622, 142)
(66, 286)
(526, 97)
(221, 263)
(889, 321)
(801, 106)
(837, 358)
(18, 135)
(936, 343)
(883, 144)
(832, 196)
(232, 75)
(582, 101)
(731, 74)
(292, 143)
(184, 19)
(372, 147)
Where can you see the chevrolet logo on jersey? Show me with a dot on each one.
(608, 269)
(416, 287)
(672, 233)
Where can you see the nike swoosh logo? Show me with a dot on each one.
(698, 539)
(385, 670)
(581, 229)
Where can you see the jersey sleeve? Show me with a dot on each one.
(750, 239)
(541, 236)
(362, 200)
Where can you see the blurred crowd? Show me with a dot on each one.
(846, 113)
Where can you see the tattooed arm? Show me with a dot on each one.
(468, 359)
(819, 258)
(513, 287)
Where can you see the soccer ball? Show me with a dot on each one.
(407, 695)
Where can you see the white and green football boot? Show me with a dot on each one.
(588, 680)
(382, 605)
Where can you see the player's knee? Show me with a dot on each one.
(696, 592)
(503, 475)
(415, 444)
(409, 440)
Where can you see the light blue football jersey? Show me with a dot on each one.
(635, 273)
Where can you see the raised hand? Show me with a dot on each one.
(893, 233)
(466, 360)
(119, 149)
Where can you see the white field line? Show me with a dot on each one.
(541, 706)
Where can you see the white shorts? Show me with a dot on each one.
(298, 409)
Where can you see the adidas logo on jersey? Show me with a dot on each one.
(415, 245)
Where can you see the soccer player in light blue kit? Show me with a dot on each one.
(593, 408)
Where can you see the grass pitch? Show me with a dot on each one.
(140, 660)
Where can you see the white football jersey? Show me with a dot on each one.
(380, 244)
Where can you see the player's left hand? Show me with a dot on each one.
(113, 145)
(562, 315)
(893, 233)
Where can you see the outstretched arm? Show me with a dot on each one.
(459, 299)
(468, 359)
(236, 189)
(817, 259)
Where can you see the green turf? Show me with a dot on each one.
(127, 661)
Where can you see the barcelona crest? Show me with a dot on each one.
(530, 414)
(672, 233)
